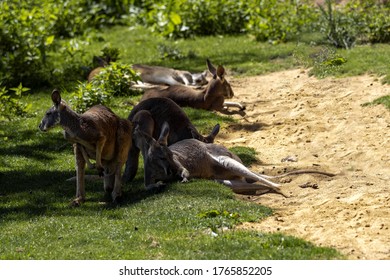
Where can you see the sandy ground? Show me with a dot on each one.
(320, 124)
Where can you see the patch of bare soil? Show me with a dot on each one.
(320, 124)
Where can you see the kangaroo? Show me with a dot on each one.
(210, 98)
(102, 62)
(191, 158)
(168, 76)
(149, 116)
(98, 134)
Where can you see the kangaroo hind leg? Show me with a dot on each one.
(240, 169)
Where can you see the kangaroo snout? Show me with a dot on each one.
(42, 127)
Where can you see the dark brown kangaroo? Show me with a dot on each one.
(149, 116)
(191, 158)
(210, 98)
(98, 134)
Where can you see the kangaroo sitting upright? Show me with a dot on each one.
(98, 134)
(149, 116)
(210, 98)
(158, 75)
(191, 158)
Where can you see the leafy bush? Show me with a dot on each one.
(357, 21)
(10, 104)
(30, 30)
(279, 21)
(114, 80)
(26, 36)
(187, 18)
(371, 19)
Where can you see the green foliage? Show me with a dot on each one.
(114, 80)
(111, 53)
(372, 20)
(339, 27)
(384, 100)
(278, 21)
(246, 154)
(11, 105)
(357, 21)
(30, 30)
(26, 35)
(169, 52)
(183, 19)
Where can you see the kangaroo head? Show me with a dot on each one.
(52, 116)
(219, 77)
(158, 158)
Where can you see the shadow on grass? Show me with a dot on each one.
(33, 144)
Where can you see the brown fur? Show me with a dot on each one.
(210, 98)
(191, 158)
(99, 134)
(149, 116)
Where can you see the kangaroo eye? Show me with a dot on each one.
(48, 114)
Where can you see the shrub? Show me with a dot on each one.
(358, 21)
(29, 30)
(10, 104)
(187, 18)
(279, 21)
(114, 80)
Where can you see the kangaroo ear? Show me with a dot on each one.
(211, 68)
(221, 72)
(163, 139)
(56, 97)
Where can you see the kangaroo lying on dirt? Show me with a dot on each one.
(191, 158)
(98, 134)
(149, 116)
(158, 75)
(210, 98)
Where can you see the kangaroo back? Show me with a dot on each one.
(168, 76)
(210, 98)
(149, 116)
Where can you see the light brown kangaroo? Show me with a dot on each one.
(158, 75)
(210, 98)
(149, 116)
(97, 134)
(191, 158)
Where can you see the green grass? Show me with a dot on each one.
(384, 100)
(37, 222)
(186, 221)
(243, 56)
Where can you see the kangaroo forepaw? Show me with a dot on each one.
(184, 174)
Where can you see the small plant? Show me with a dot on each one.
(114, 80)
(339, 27)
(169, 52)
(326, 61)
(384, 100)
(10, 103)
(278, 21)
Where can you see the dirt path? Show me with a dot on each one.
(321, 124)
